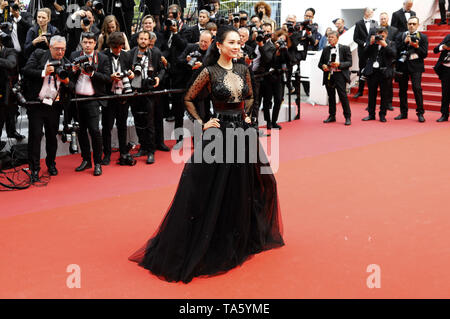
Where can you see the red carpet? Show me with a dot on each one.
(371, 193)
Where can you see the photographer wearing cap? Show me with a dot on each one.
(38, 37)
(92, 77)
(46, 79)
(117, 110)
(148, 71)
(412, 49)
(379, 71)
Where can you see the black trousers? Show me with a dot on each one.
(8, 115)
(143, 109)
(159, 107)
(118, 112)
(445, 82)
(256, 98)
(442, 9)
(416, 81)
(277, 92)
(266, 92)
(337, 83)
(89, 117)
(374, 81)
(47, 117)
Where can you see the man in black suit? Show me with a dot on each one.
(8, 65)
(44, 84)
(143, 107)
(117, 110)
(91, 80)
(442, 68)
(336, 61)
(400, 17)
(412, 48)
(362, 32)
(443, 12)
(379, 71)
(194, 31)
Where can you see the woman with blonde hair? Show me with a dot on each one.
(110, 25)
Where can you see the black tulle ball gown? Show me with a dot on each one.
(222, 213)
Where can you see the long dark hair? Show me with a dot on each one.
(213, 55)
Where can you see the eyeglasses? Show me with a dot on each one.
(59, 49)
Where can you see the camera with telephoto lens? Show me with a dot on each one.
(69, 135)
(61, 69)
(195, 57)
(236, 17)
(150, 81)
(126, 82)
(403, 56)
(83, 62)
(137, 67)
(86, 21)
(17, 91)
(98, 5)
(262, 36)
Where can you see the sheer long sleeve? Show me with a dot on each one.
(200, 82)
(249, 97)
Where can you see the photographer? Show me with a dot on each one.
(301, 37)
(45, 80)
(282, 62)
(262, 63)
(412, 49)
(379, 71)
(194, 31)
(442, 69)
(247, 53)
(192, 61)
(213, 6)
(8, 66)
(91, 77)
(38, 36)
(335, 62)
(82, 22)
(121, 76)
(148, 71)
(263, 11)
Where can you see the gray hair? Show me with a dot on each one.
(244, 29)
(205, 12)
(152, 35)
(57, 38)
(291, 16)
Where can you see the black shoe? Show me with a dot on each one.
(150, 158)
(382, 118)
(126, 159)
(170, 119)
(443, 118)
(17, 136)
(389, 108)
(178, 145)
(162, 147)
(84, 165)
(2, 145)
(421, 118)
(141, 153)
(52, 170)
(401, 117)
(366, 109)
(297, 117)
(106, 160)
(442, 22)
(276, 126)
(348, 121)
(330, 119)
(357, 95)
(34, 176)
(269, 126)
(369, 118)
(98, 170)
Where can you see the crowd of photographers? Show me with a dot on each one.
(81, 66)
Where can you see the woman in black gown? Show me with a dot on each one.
(222, 212)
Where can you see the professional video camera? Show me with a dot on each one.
(195, 57)
(61, 69)
(83, 62)
(17, 91)
(69, 135)
(262, 36)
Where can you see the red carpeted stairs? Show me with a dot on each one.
(431, 84)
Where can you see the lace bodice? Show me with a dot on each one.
(228, 88)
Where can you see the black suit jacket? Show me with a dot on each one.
(345, 60)
(179, 43)
(23, 26)
(399, 20)
(439, 64)
(101, 77)
(267, 51)
(416, 65)
(360, 35)
(386, 57)
(33, 76)
(8, 66)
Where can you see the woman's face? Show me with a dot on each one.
(148, 25)
(111, 27)
(282, 37)
(231, 46)
(42, 19)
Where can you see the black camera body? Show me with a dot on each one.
(236, 17)
(282, 44)
(61, 69)
(414, 38)
(98, 5)
(332, 59)
(83, 62)
(171, 23)
(17, 91)
(69, 135)
(6, 27)
(404, 55)
(150, 81)
(195, 57)
(378, 37)
(305, 24)
(262, 36)
(209, 7)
